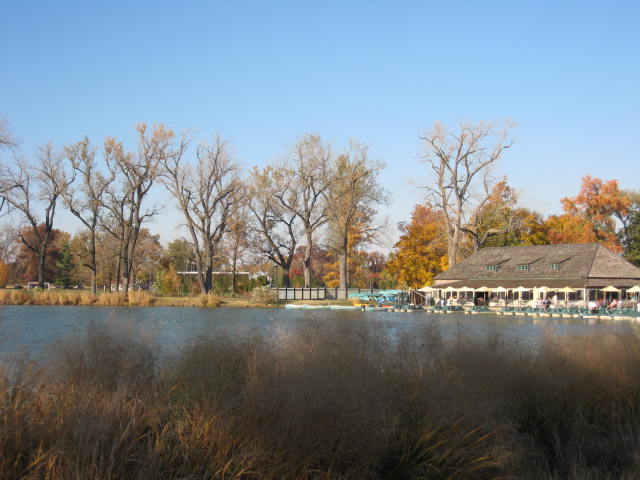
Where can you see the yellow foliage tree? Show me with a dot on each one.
(421, 251)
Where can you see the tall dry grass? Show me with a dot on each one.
(111, 299)
(327, 401)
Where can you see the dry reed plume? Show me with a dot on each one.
(327, 401)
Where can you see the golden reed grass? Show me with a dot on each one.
(115, 299)
(329, 400)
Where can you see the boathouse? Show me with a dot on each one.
(578, 272)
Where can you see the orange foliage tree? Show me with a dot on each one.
(421, 251)
(590, 216)
(27, 260)
(4, 273)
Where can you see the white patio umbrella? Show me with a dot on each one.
(520, 290)
(465, 289)
(543, 290)
(634, 289)
(450, 290)
(500, 290)
(609, 289)
(483, 289)
(427, 289)
(566, 291)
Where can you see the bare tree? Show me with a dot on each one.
(353, 188)
(207, 193)
(86, 203)
(8, 238)
(28, 188)
(7, 139)
(302, 182)
(134, 175)
(7, 142)
(274, 223)
(460, 162)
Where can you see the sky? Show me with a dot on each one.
(261, 74)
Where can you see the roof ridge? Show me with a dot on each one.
(593, 259)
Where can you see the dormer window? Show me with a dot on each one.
(491, 268)
(523, 266)
(555, 266)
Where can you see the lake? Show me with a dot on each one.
(33, 328)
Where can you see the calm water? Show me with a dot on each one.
(33, 328)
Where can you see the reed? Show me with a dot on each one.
(113, 299)
(325, 401)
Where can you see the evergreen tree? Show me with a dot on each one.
(64, 267)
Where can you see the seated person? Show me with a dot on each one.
(613, 304)
(593, 306)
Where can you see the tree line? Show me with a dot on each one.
(313, 196)
(308, 218)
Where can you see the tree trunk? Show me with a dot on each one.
(208, 280)
(41, 261)
(234, 280)
(306, 264)
(94, 264)
(342, 261)
(286, 279)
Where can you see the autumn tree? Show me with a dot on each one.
(27, 262)
(302, 180)
(591, 215)
(108, 257)
(135, 174)
(4, 274)
(421, 251)
(33, 191)
(86, 202)
(148, 258)
(353, 191)
(179, 255)
(629, 232)
(237, 243)
(528, 228)
(207, 191)
(461, 163)
(275, 224)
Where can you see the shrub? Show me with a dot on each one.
(264, 296)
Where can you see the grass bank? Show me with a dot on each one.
(327, 401)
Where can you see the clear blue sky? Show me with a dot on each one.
(263, 73)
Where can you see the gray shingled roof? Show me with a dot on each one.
(588, 264)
